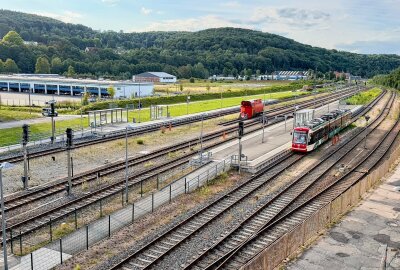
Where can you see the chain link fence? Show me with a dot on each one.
(81, 235)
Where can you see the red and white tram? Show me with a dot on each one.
(315, 132)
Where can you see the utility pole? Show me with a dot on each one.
(140, 105)
(240, 135)
(69, 146)
(25, 139)
(126, 165)
(201, 140)
(3, 223)
(263, 126)
(29, 97)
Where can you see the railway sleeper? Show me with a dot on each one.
(161, 247)
(150, 255)
(144, 260)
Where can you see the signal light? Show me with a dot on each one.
(241, 129)
(69, 137)
(25, 134)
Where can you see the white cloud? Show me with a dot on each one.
(145, 11)
(67, 16)
(192, 24)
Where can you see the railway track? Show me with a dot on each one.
(50, 215)
(304, 207)
(19, 157)
(152, 253)
(300, 189)
(37, 193)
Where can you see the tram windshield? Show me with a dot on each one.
(300, 137)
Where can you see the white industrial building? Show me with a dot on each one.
(58, 85)
(161, 77)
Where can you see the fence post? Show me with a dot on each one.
(51, 231)
(170, 193)
(141, 188)
(122, 197)
(61, 251)
(133, 212)
(31, 260)
(76, 219)
(11, 238)
(208, 174)
(152, 202)
(158, 181)
(20, 243)
(109, 226)
(87, 237)
(224, 165)
(198, 181)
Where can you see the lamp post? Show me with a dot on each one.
(263, 126)
(126, 163)
(4, 165)
(140, 105)
(201, 139)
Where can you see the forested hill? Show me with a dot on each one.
(62, 46)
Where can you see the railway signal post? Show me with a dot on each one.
(25, 139)
(69, 146)
(366, 125)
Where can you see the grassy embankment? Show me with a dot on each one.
(13, 115)
(364, 97)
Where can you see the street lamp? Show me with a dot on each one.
(201, 138)
(5, 166)
(187, 104)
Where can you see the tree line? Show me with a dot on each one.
(117, 55)
(390, 80)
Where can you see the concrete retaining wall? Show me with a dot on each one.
(287, 244)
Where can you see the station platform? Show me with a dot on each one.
(367, 238)
(277, 138)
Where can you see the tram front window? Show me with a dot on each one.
(299, 137)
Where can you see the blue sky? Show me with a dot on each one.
(363, 26)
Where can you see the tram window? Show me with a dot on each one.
(300, 137)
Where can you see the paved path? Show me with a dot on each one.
(359, 241)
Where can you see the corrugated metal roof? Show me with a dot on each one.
(154, 74)
(61, 80)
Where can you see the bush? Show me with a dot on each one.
(140, 141)
(191, 80)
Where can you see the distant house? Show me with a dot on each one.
(221, 78)
(31, 43)
(91, 49)
(161, 77)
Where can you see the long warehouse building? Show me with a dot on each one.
(58, 85)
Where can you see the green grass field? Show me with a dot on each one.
(205, 86)
(364, 97)
(12, 135)
(13, 115)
